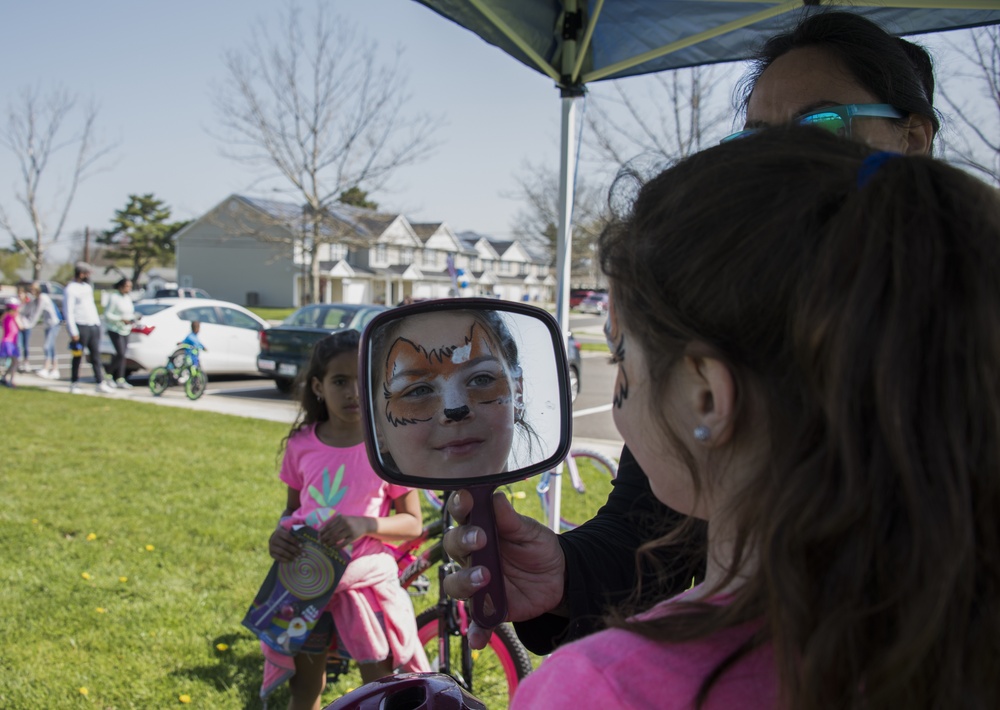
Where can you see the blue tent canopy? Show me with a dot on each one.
(619, 38)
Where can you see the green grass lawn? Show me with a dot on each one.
(134, 538)
(271, 313)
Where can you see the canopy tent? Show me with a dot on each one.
(576, 42)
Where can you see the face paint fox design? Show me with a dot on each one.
(412, 372)
(616, 344)
(449, 409)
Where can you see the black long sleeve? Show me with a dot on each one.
(601, 566)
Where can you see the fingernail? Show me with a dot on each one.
(477, 577)
(469, 538)
(456, 499)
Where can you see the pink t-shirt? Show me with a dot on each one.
(332, 480)
(10, 328)
(618, 669)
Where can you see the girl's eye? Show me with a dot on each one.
(418, 391)
(482, 380)
(339, 381)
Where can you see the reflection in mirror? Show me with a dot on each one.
(459, 394)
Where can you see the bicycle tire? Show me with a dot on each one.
(159, 380)
(603, 464)
(196, 384)
(504, 662)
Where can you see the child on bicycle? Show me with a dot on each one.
(806, 338)
(332, 488)
(193, 342)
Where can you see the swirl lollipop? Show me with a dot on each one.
(309, 575)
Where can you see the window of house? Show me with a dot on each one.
(429, 258)
(407, 256)
(338, 252)
(381, 253)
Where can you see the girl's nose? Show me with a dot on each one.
(457, 414)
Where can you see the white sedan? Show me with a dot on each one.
(230, 333)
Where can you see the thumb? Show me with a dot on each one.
(508, 520)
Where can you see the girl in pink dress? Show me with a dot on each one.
(332, 488)
(9, 350)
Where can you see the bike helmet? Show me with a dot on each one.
(409, 691)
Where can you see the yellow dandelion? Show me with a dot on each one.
(475, 655)
(84, 691)
(222, 646)
(185, 698)
(91, 537)
(519, 495)
(85, 575)
(101, 610)
(34, 521)
(123, 579)
(150, 548)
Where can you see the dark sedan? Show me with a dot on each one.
(285, 348)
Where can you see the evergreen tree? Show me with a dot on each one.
(357, 197)
(142, 235)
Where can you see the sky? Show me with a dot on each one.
(150, 67)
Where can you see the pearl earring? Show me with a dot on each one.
(702, 433)
(319, 398)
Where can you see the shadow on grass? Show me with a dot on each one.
(243, 672)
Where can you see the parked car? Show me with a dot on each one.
(575, 362)
(577, 295)
(180, 293)
(230, 333)
(594, 303)
(285, 348)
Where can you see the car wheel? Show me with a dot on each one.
(284, 385)
(574, 383)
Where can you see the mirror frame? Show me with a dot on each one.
(457, 304)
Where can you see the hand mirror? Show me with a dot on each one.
(466, 393)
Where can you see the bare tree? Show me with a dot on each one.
(681, 113)
(314, 105)
(39, 130)
(976, 143)
(538, 190)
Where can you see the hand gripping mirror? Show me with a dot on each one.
(466, 393)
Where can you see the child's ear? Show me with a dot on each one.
(317, 387)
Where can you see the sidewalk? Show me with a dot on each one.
(219, 402)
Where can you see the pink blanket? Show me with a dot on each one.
(371, 578)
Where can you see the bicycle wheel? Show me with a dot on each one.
(589, 474)
(159, 380)
(196, 384)
(498, 667)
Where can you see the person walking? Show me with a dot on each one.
(84, 326)
(119, 315)
(10, 349)
(41, 308)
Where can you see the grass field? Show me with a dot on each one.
(134, 538)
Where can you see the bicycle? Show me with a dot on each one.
(443, 628)
(183, 368)
(594, 465)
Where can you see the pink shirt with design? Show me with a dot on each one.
(619, 669)
(332, 480)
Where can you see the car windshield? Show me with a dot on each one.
(321, 317)
(148, 309)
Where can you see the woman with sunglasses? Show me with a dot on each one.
(843, 73)
(834, 70)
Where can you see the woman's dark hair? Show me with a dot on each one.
(859, 314)
(895, 70)
(312, 409)
(120, 283)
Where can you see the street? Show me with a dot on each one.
(593, 425)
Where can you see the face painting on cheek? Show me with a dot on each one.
(420, 383)
(616, 344)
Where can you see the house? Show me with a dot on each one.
(250, 250)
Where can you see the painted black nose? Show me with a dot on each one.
(458, 413)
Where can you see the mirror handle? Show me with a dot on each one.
(489, 604)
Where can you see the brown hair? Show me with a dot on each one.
(860, 318)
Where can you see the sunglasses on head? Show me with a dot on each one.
(835, 119)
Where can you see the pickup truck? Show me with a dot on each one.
(285, 348)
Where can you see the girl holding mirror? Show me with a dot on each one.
(828, 62)
(805, 332)
(449, 395)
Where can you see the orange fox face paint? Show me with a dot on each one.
(449, 378)
(449, 409)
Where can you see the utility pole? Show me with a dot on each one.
(86, 244)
